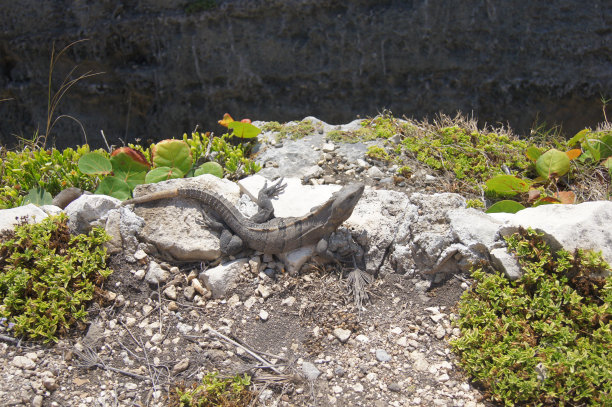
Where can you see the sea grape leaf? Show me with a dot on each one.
(507, 185)
(533, 153)
(227, 119)
(243, 129)
(573, 153)
(114, 187)
(210, 167)
(553, 164)
(506, 206)
(38, 196)
(174, 154)
(94, 163)
(162, 174)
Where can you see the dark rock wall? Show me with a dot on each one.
(168, 68)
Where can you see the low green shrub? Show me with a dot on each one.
(51, 170)
(47, 277)
(545, 339)
(214, 391)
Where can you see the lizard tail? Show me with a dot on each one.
(167, 193)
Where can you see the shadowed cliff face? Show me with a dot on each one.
(168, 70)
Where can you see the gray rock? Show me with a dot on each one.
(156, 274)
(584, 226)
(310, 371)
(506, 263)
(382, 355)
(375, 173)
(170, 292)
(23, 362)
(394, 387)
(11, 217)
(343, 335)
(218, 280)
(88, 211)
(376, 222)
(181, 366)
(176, 228)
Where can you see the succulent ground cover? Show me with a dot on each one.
(546, 338)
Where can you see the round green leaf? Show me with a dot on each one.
(505, 206)
(210, 167)
(553, 163)
(94, 163)
(162, 174)
(114, 187)
(533, 153)
(507, 185)
(38, 196)
(244, 130)
(173, 154)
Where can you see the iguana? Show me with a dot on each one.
(277, 235)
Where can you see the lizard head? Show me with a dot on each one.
(345, 201)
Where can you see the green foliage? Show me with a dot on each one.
(505, 206)
(474, 203)
(215, 391)
(471, 156)
(404, 171)
(160, 174)
(51, 170)
(174, 154)
(553, 164)
(507, 185)
(377, 153)
(546, 338)
(292, 130)
(38, 196)
(48, 276)
(243, 129)
(209, 168)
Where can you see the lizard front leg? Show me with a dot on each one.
(264, 201)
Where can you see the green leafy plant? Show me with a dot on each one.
(544, 339)
(215, 391)
(292, 130)
(35, 168)
(377, 153)
(48, 276)
(550, 166)
(596, 146)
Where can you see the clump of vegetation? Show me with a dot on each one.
(292, 130)
(35, 174)
(546, 338)
(32, 167)
(470, 155)
(214, 391)
(377, 153)
(382, 126)
(48, 276)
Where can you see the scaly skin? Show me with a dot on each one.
(277, 235)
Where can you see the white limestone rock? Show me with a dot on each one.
(88, 211)
(9, 218)
(175, 227)
(586, 226)
(218, 280)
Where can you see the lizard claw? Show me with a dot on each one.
(274, 190)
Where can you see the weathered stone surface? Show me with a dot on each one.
(376, 222)
(218, 280)
(11, 217)
(175, 227)
(506, 263)
(167, 69)
(88, 211)
(584, 226)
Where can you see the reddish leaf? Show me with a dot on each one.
(566, 197)
(246, 121)
(573, 154)
(133, 154)
(227, 119)
(533, 195)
